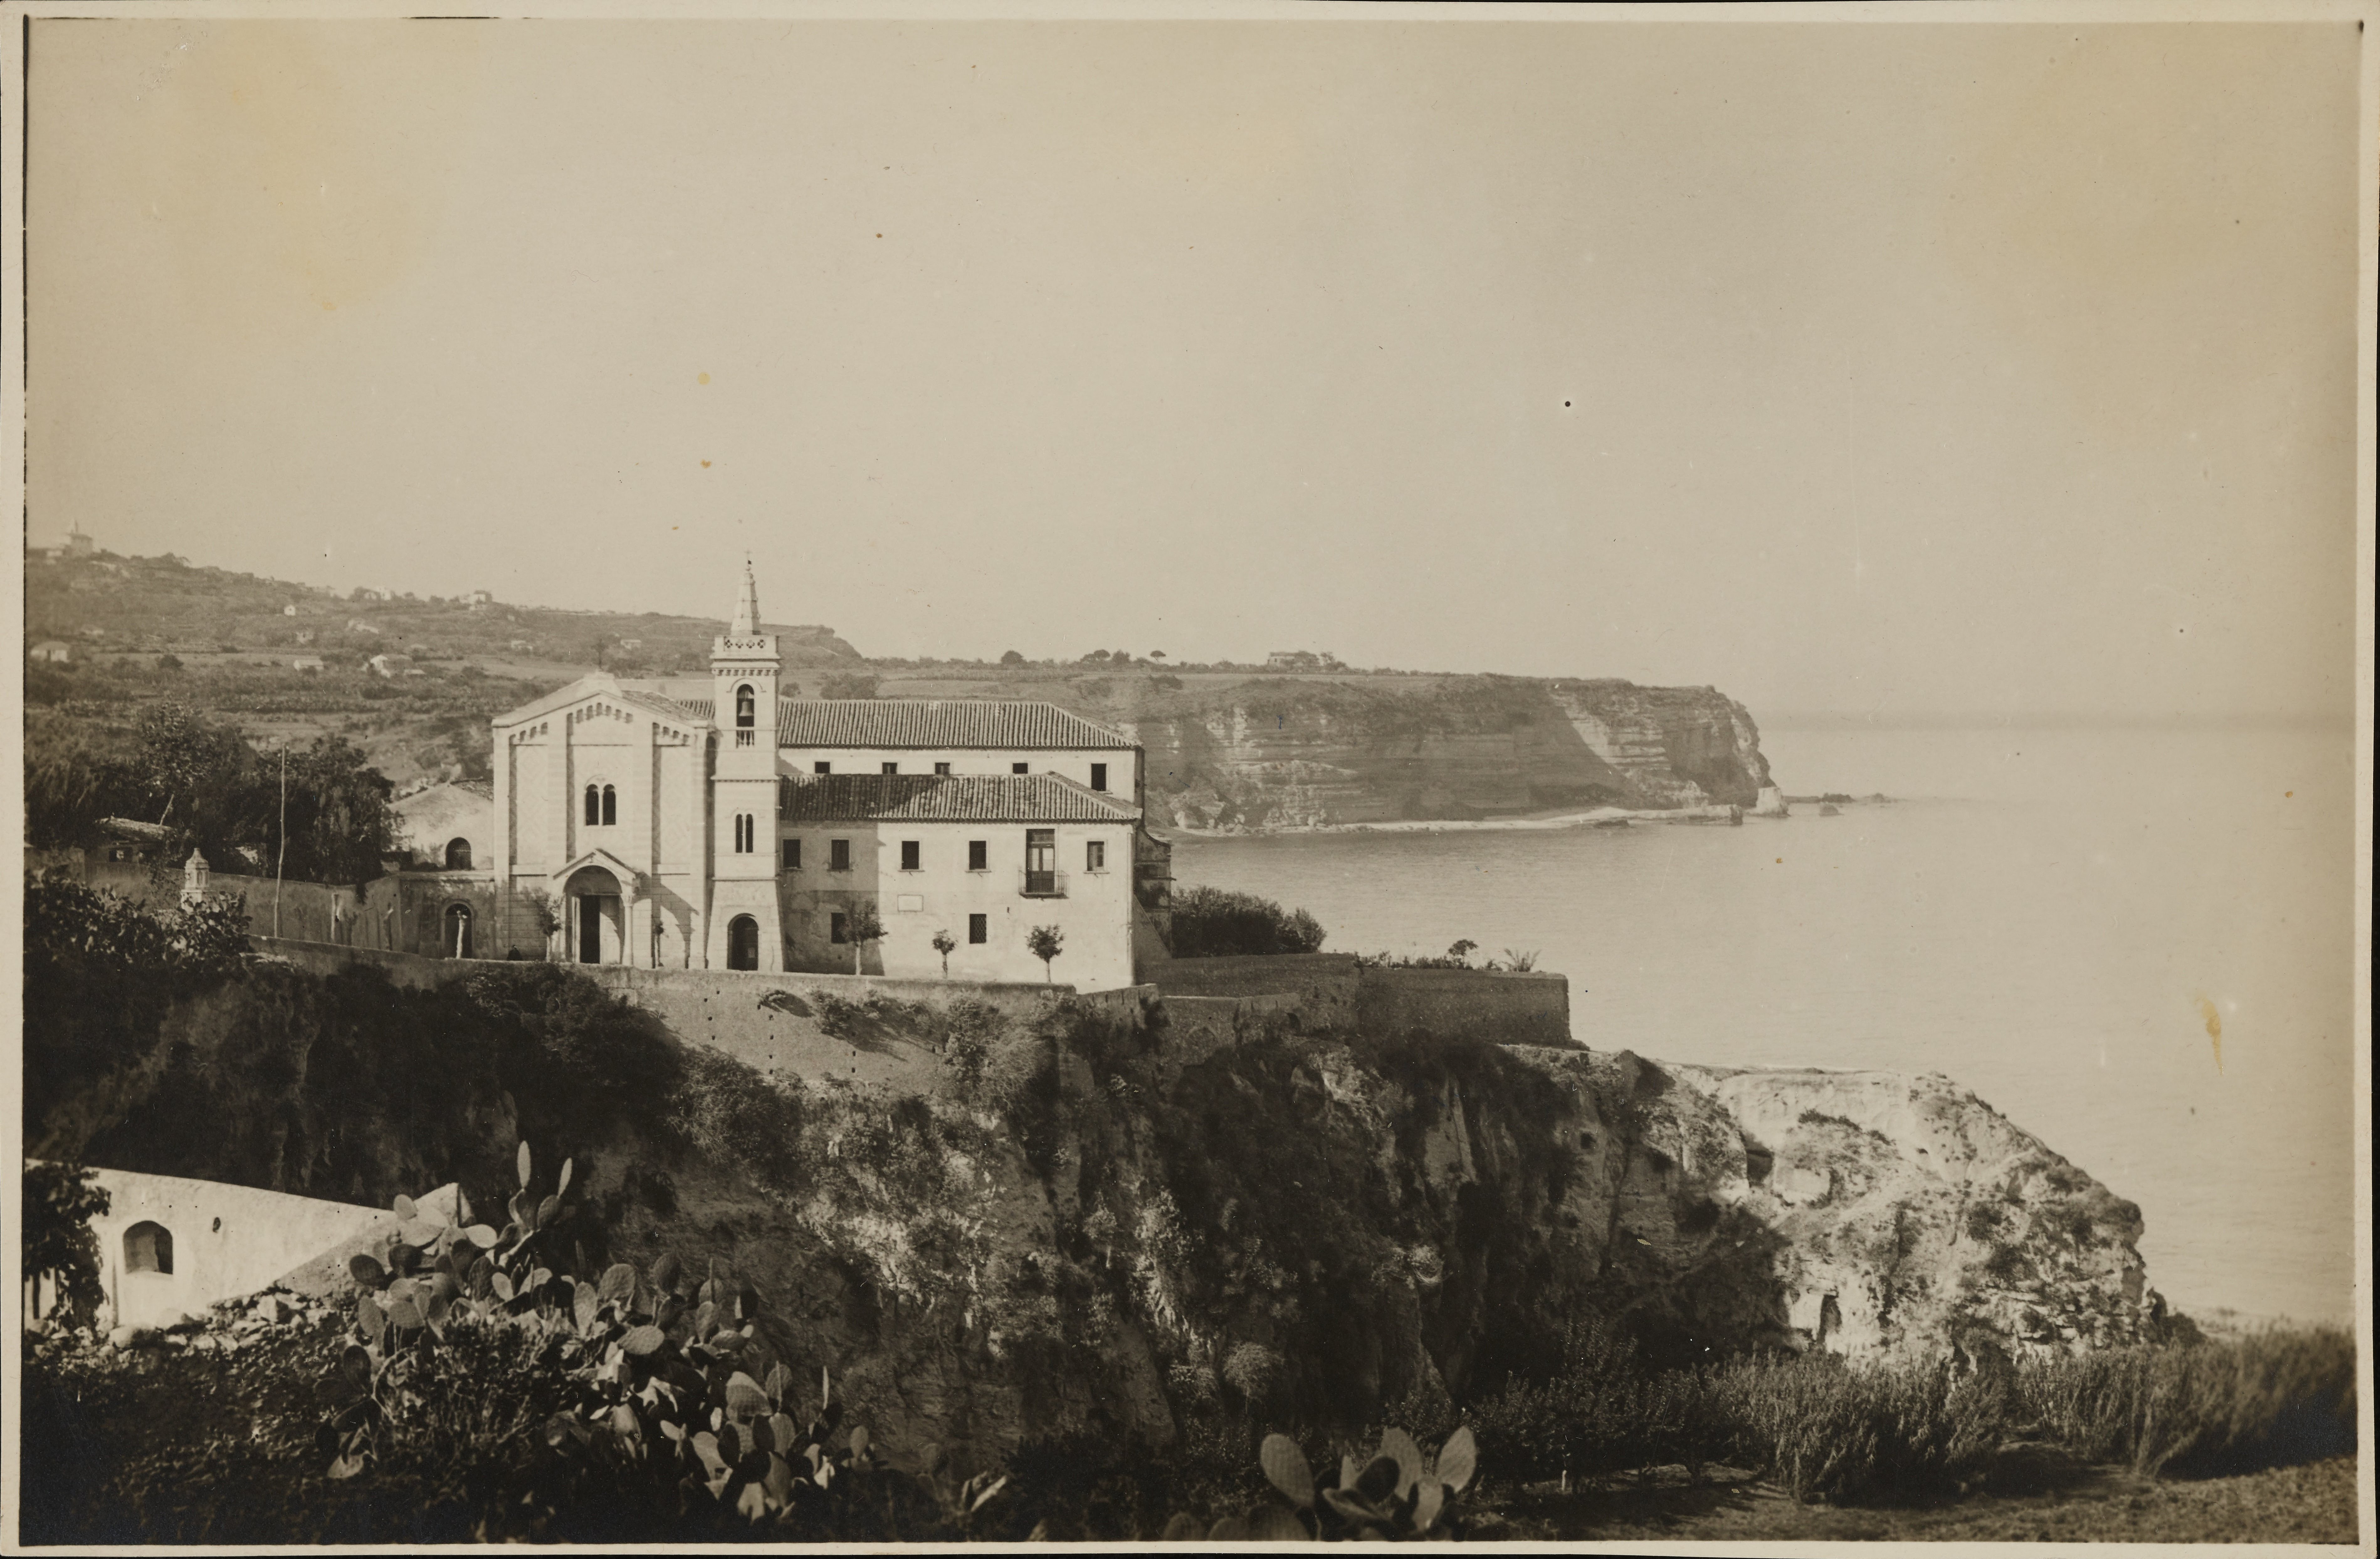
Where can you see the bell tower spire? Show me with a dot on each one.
(744, 680)
(748, 606)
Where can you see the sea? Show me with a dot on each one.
(2137, 944)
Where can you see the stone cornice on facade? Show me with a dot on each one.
(588, 686)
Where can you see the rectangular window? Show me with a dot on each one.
(978, 856)
(942, 768)
(838, 855)
(908, 855)
(821, 766)
(892, 768)
(1041, 861)
(839, 928)
(793, 855)
(744, 833)
(978, 929)
(1095, 855)
(1016, 768)
(1098, 777)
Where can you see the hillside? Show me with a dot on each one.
(1074, 1221)
(1231, 746)
(108, 604)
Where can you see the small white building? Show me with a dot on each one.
(169, 1248)
(53, 650)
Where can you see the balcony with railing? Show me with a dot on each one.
(1031, 884)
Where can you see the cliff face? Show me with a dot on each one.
(1287, 753)
(1087, 1220)
(1323, 1226)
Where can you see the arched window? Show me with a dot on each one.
(149, 1247)
(744, 833)
(611, 806)
(458, 855)
(744, 707)
(457, 942)
(594, 807)
(743, 943)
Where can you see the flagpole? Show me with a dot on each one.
(281, 854)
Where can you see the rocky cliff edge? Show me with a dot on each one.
(1090, 1234)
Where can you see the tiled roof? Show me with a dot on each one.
(946, 798)
(928, 722)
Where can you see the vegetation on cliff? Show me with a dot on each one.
(1218, 922)
(1102, 1259)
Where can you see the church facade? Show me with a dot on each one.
(640, 823)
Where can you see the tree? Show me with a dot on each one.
(1046, 942)
(944, 944)
(1011, 657)
(1461, 951)
(543, 912)
(863, 926)
(1217, 923)
(59, 1204)
(340, 820)
(201, 777)
(848, 684)
(1157, 655)
(180, 752)
(76, 774)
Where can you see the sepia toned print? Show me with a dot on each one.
(1551, 775)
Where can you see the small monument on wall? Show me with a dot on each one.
(194, 878)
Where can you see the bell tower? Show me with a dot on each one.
(743, 690)
(744, 923)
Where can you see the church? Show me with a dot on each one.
(908, 838)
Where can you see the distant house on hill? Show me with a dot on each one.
(357, 625)
(306, 663)
(78, 545)
(53, 650)
(478, 599)
(390, 665)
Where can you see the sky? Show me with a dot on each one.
(1887, 371)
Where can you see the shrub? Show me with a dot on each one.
(1602, 1411)
(1854, 1434)
(1216, 922)
(57, 1242)
(660, 1407)
(2273, 1398)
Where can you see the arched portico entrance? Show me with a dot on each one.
(597, 922)
(743, 943)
